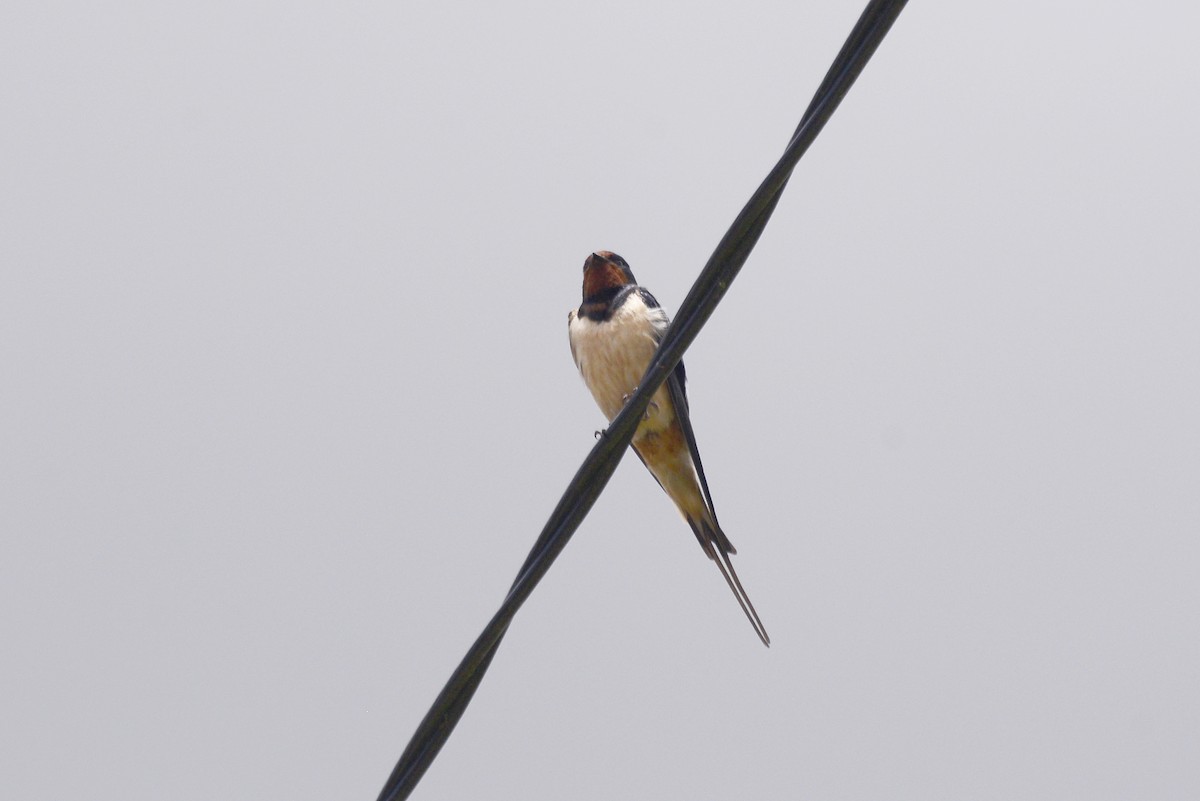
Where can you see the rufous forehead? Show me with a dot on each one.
(601, 273)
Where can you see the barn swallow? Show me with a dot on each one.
(613, 335)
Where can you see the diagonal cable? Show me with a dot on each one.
(589, 481)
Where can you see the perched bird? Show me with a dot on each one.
(614, 334)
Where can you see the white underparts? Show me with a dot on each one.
(613, 354)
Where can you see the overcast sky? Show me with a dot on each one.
(286, 397)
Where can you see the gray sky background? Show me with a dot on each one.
(287, 396)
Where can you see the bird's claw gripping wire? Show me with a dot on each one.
(651, 405)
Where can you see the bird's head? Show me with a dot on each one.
(604, 272)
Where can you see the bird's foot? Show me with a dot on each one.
(651, 405)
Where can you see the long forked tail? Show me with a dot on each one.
(739, 592)
(718, 548)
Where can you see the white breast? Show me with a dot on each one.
(613, 354)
